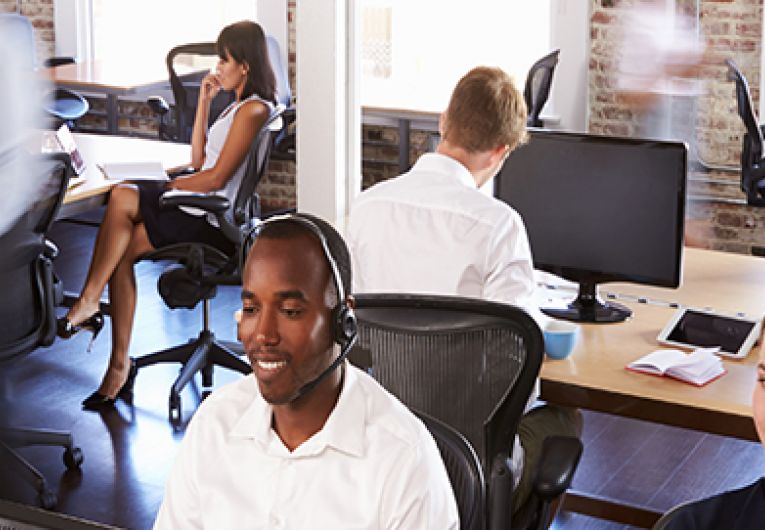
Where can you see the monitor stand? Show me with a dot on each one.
(589, 308)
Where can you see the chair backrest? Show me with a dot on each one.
(26, 274)
(185, 87)
(746, 110)
(247, 203)
(18, 29)
(537, 88)
(469, 363)
(464, 470)
(283, 90)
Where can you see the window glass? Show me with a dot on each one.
(414, 52)
(143, 31)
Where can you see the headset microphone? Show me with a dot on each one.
(310, 385)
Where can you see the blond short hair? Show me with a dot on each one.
(485, 111)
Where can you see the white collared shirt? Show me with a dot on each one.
(432, 231)
(372, 465)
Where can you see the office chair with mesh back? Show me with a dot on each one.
(26, 278)
(63, 105)
(464, 470)
(203, 267)
(752, 155)
(284, 140)
(471, 364)
(537, 88)
(185, 87)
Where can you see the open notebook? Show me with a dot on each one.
(697, 368)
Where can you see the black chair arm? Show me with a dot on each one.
(51, 250)
(158, 105)
(57, 61)
(215, 204)
(181, 172)
(557, 464)
(500, 492)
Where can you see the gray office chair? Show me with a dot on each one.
(64, 105)
(285, 139)
(471, 364)
(201, 268)
(537, 88)
(29, 322)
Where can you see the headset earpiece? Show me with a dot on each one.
(345, 326)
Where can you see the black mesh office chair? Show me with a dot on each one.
(464, 469)
(64, 105)
(752, 155)
(203, 267)
(178, 124)
(29, 321)
(284, 140)
(471, 364)
(537, 89)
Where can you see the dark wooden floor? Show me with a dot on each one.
(128, 451)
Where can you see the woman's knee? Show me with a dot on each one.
(124, 197)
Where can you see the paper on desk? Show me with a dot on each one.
(134, 171)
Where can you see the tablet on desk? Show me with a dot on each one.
(694, 328)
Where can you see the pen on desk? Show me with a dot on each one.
(101, 169)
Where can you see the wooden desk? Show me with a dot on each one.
(97, 149)
(594, 377)
(112, 79)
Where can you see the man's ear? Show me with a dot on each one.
(441, 120)
(350, 301)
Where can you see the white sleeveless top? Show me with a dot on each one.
(216, 138)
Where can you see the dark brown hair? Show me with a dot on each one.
(245, 42)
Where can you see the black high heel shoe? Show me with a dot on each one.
(98, 401)
(94, 323)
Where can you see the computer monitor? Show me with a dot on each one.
(599, 209)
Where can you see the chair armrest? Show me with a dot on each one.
(51, 250)
(210, 203)
(500, 492)
(158, 105)
(557, 464)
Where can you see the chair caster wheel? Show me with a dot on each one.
(73, 458)
(47, 499)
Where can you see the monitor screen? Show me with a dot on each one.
(599, 208)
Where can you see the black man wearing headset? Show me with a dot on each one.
(309, 441)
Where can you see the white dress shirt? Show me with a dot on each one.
(373, 465)
(432, 231)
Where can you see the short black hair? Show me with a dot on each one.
(287, 227)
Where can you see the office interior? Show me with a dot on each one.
(345, 144)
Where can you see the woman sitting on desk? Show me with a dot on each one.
(134, 224)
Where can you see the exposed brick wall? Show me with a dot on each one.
(733, 29)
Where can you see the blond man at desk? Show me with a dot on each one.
(432, 231)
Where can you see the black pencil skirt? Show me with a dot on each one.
(166, 226)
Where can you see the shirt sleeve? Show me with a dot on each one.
(509, 269)
(181, 504)
(418, 493)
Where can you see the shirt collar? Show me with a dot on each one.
(445, 166)
(343, 430)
